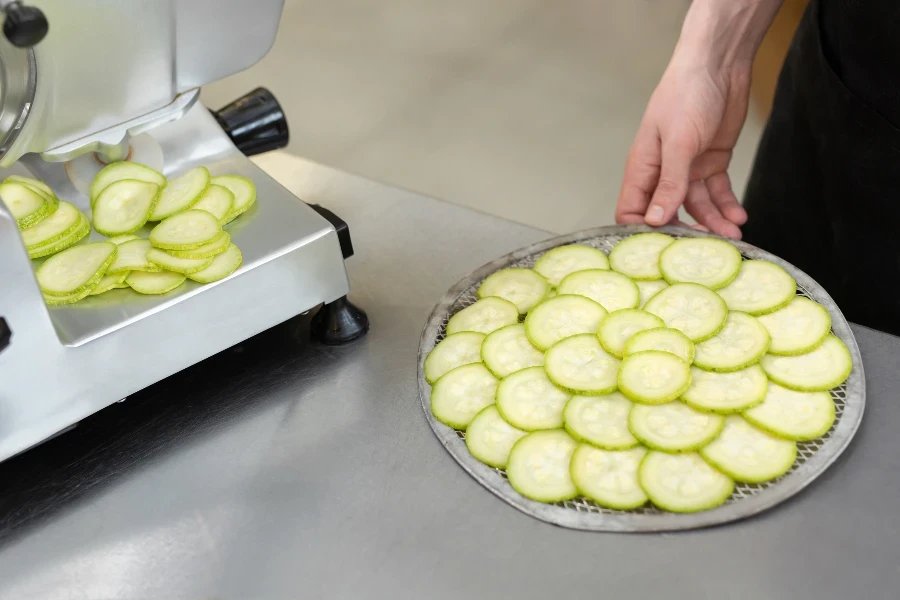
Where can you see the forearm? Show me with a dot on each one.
(724, 33)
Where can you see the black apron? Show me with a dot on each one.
(824, 193)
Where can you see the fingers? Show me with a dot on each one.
(641, 175)
(719, 186)
(700, 206)
(677, 154)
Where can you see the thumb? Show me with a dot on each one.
(677, 155)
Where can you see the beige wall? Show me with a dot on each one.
(771, 55)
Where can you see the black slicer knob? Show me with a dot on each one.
(5, 334)
(255, 122)
(25, 26)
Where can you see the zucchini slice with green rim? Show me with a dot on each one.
(759, 288)
(798, 416)
(124, 170)
(673, 426)
(741, 343)
(798, 327)
(217, 200)
(538, 466)
(35, 184)
(637, 256)
(154, 284)
(484, 316)
(726, 393)
(648, 289)
(26, 206)
(222, 266)
(52, 300)
(710, 262)
(692, 309)
(529, 401)
(490, 439)
(555, 264)
(523, 287)
(580, 365)
(133, 257)
(186, 230)
(609, 477)
(508, 350)
(75, 235)
(601, 421)
(560, 317)
(613, 291)
(64, 221)
(746, 453)
(167, 262)
(653, 377)
(463, 348)
(683, 483)
(124, 206)
(109, 282)
(219, 245)
(617, 328)
(118, 240)
(181, 193)
(663, 339)
(461, 394)
(244, 192)
(75, 269)
(822, 369)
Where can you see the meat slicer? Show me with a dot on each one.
(90, 82)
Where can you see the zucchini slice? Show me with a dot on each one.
(690, 308)
(798, 416)
(52, 300)
(75, 235)
(154, 283)
(726, 393)
(181, 193)
(490, 439)
(760, 287)
(674, 426)
(648, 289)
(109, 282)
(637, 256)
(185, 266)
(609, 477)
(538, 466)
(461, 394)
(616, 329)
(219, 245)
(555, 264)
(132, 256)
(222, 266)
(529, 401)
(26, 206)
(611, 290)
(484, 316)
(798, 327)
(217, 200)
(76, 269)
(746, 453)
(662, 339)
(560, 317)
(826, 367)
(741, 343)
(124, 206)
(244, 193)
(653, 377)
(65, 220)
(711, 262)
(35, 184)
(522, 287)
(453, 351)
(121, 239)
(186, 230)
(124, 170)
(508, 350)
(580, 365)
(683, 483)
(601, 421)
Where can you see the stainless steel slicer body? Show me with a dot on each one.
(114, 80)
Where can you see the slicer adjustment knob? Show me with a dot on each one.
(25, 26)
(5, 334)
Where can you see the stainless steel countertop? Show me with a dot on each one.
(283, 469)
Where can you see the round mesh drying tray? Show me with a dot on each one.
(748, 499)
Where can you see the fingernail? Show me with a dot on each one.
(655, 215)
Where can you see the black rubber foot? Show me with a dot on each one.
(339, 322)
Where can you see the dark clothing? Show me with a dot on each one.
(824, 192)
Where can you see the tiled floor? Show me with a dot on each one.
(521, 108)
